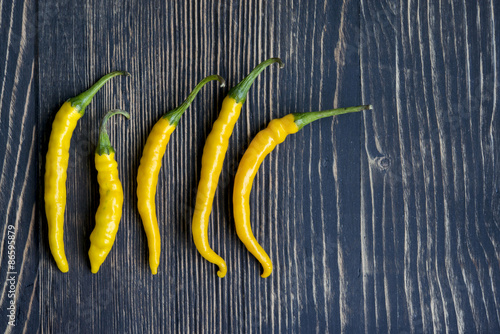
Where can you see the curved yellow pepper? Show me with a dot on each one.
(264, 143)
(211, 167)
(213, 159)
(109, 212)
(55, 179)
(147, 179)
(149, 168)
(57, 164)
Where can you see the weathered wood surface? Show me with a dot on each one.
(19, 152)
(383, 221)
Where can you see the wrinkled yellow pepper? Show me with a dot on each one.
(213, 159)
(147, 174)
(264, 143)
(109, 212)
(56, 166)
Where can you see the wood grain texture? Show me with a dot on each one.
(18, 165)
(383, 221)
(431, 194)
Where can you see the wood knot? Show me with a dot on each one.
(384, 163)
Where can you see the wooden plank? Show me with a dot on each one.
(381, 221)
(18, 178)
(169, 48)
(431, 262)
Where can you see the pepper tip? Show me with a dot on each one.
(63, 266)
(222, 82)
(222, 269)
(267, 271)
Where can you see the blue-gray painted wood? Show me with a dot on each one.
(387, 220)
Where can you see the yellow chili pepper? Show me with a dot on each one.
(57, 164)
(147, 174)
(212, 160)
(109, 212)
(264, 142)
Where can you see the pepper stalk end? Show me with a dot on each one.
(304, 118)
(81, 101)
(239, 92)
(174, 116)
(104, 145)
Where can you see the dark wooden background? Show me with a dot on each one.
(383, 221)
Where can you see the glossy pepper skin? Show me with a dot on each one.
(147, 174)
(264, 143)
(57, 164)
(109, 212)
(213, 159)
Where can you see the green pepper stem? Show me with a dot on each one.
(174, 115)
(104, 145)
(239, 92)
(304, 118)
(81, 101)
